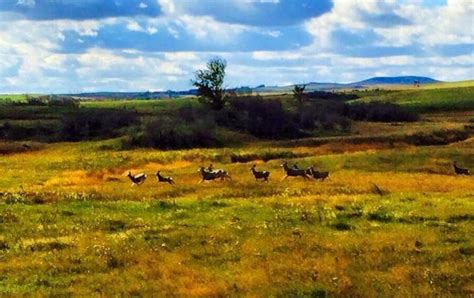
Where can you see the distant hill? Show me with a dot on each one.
(134, 95)
(311, 86)
(405, 80)
(318, 86)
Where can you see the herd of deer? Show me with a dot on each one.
(209, 174)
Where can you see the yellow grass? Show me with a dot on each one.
(75, 226)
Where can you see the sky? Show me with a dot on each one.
(72, 46)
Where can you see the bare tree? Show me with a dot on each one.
(210, 83)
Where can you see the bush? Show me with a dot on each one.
(322, 115)
(331, 95)
(47, 100)
(265, 156)
(171, 133)
(379, 112)
(438, 137)
(18, 131)
(36, 101)
(380, 214)
(62, 101)
(261, 118)
(342, 226)
(89, 124)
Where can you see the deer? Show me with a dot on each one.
(293, 172)
(207, 175)
(163, 178)
(260, 175)
(460, 171)
(137, 179)
(316, 174)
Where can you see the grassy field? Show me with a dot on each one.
(427, 99)
(391, 220)
(15, 97)
(387, 221)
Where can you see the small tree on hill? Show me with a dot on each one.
(298, 93)
(209, 83)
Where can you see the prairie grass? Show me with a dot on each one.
(392, 219)
(71, 224)
(428, 99)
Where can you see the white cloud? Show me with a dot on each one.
(27, 3)
(134, 26)
(206, 27)
(274, 33)
(270, 55)
(31, 59)
(167, 6)
(181, 56)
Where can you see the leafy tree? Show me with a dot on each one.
(209, 83)
(298, 93)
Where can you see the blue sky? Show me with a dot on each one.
(56, 46)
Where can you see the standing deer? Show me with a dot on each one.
(163, 178)
(293, 172)
(260, 175)
(137, 179)
(460, 171)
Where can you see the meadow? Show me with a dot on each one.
(392, 219)
(429, 99)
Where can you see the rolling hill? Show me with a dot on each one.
(404, 80)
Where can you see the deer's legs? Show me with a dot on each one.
(286, 176)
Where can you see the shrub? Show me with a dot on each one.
(464, 250)
(18, 131)
(62, 101)
(261, 118)
(379, 112)
(342, 226)
(88, 124)
(36, 101)
(171, 133)
(265, 156)
(331, 95)
(438, 137)
(48, 246)
(380, 214)
(323, 115)
(4, 245)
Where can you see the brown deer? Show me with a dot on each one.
(137, 179)
(460, 171)
(317, 175)
(260, 175)
(293, 172)
(161, 178)
(207, 175)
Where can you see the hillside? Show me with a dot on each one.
(404, 80)
(426, 99)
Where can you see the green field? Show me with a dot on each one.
(391, 220)
(428, 98)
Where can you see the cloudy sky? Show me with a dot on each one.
(57, 46)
